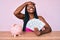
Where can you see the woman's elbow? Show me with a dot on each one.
(15, 13)
(49, 30)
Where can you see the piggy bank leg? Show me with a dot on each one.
(14, 35)
(20, 34)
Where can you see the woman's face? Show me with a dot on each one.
(31, 8)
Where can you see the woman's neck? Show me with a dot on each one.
(31, 16)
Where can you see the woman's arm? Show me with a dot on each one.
(46, 28)
(18, 13)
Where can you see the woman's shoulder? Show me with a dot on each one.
(41, 18)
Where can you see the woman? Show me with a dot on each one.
(30, 13)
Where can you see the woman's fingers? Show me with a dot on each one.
(43, 29)
(30, 3)
(36, 29)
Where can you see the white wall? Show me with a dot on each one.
(49, 9)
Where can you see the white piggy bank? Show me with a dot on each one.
(16, 29)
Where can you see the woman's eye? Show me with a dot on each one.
(28, 7)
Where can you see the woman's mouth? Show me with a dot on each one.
(31, 9)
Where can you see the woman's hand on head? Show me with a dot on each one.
(29, 2)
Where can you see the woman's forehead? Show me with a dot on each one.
(30, 5)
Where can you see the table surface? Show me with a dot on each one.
(55, 35)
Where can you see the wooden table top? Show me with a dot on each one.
(55, 35)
